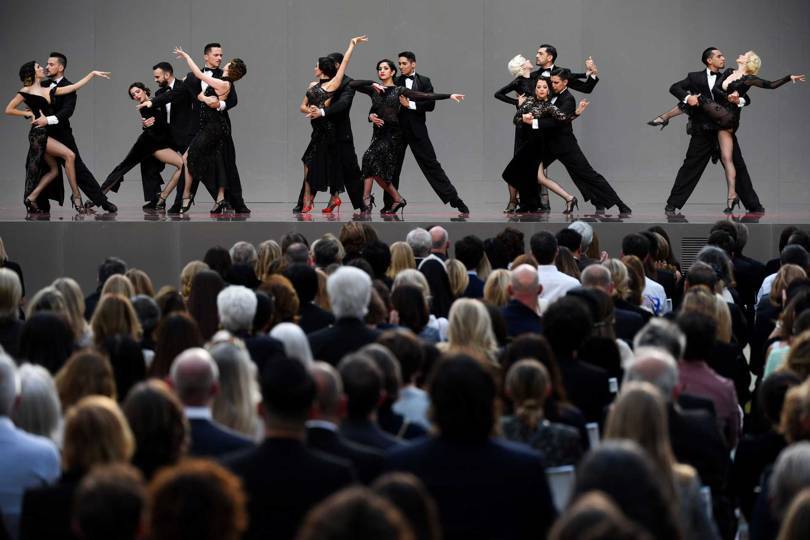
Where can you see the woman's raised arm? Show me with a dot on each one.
(69, 89)
(334, 84)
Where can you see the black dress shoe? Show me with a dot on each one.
(151, 205)
(298, 208)
(527, 210)
(459, 205)
(242, 209)
(107, 206)
(757, 210)
(624, 209)
(174, 209)
(669, 209)
(599, 210)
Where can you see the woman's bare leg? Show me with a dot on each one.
(47, 178)
(389, 188)
(552, 185)
(187, 186)
(666, 116)
(59, 150)
(726, 140)
(170, 157)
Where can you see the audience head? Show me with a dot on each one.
(349, 292)
(470, 326)
(409, 303)
(286, 304)
(439, 240)
(304, 280)
(414, 278)
(297, 253)
(148, 314)
(327, 251)
(457, 276)
(798, 357)
(141, 283)
(291, 238)
(329, 400)
(243, 253)
(288, 392)
(110, 267)
(96, 433)
(10, 294)
(118, 284)
(294, 340)
(524, 285)
(236, 306)
(700, 331)
(596, 276)
(192, 268)
(86, 373)
(497, 287)
(46, 340)
(528, 385)
(586, 233)
(408, 351)
(38, 409)
(567, 323)
(411, 497)
(569, 238)
(9, 385)
(514, 242)
(772, 392)
(544, 247)
(268, 256)
(353, 239)
(470, 250)
(362, 383)
(701, 273)
(420, 241)
(795, 419)
(636, 244)
(176, 333)
(402, 258)
(656, 367)
(797, 519)
(462, 395)
(787, 274)
(235, 405)
(48, 299)
(202, 301)
(169, 300)
(195, 377)
(387, 363)
(114, 315)
(791, 474)
(720, 263)
(109, 503)
(699, 299)
(496, 254)
(74, 304)
(218, 259)
(597, 517)
(619, 277)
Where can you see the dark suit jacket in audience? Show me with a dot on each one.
(436, 275)
(46, 510)
(587, 387)
(710, 457)
(754, 454)
(369, 434)
(262, 348)
(344, 337)
(475, 288)
(210, 439)
(496, 489)
(627, 324)
(283, 480)
(520, 319)
(314, 318)
(10, 330)
(367, 461)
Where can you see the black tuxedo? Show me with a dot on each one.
(63, 107)
(703, 143)
(581, 82)
(344, 337)
(367, 461)
(182, 120)
(417, 138)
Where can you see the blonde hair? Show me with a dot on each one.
(699, 299)
(527, 384)
(787, 274)
(187, 276)
(515, 65)
(496, 288)
(10, 293)
(86, 373)
(620, 278)
(416, 279)
(798, 357)
(754, 63)
(322, 298)
(118, 284)
(114, 315)
(469, 327)
(74, 304)
(401, 259)
(457, 276)
(47, 299)
(96, 432)
(797, 520)
(141, 283)
(3, 254)
(267, 254)
(484, 268)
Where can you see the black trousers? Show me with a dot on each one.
(84, 178)
(351, 175)
(702, 144)
(140, 152)
(591, 184)
(422, 148)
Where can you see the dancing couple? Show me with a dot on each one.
(713, 99)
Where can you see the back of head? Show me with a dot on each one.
(46, 339)
(349, 291)
(235, 404)
(795, 413)
(585, 231)
(596, 517)
(409, 302)
(294, 340)
(462, 395)
(387, 363)
(74, 303)
(655, 366)
(470, 325)
(304, 280)
(109, 503)
(719, 261)
(110, 267)
(544, 247)
(38, 409)
(194, 377)
(329, 388)
(411, 497)
(701, 273)
(355, 512)
(297, 253)
(243, 253)
(661, 334)
(569, 238)
(197, 499)
(514, 241)
(791, 474)
(362, 384)
(218, 259)
(287, 392)
(148, 313)
(9, 384)
(420, 241)
(772, 393)
(636, 244)
(86, 373)
(795, 254)
(523, 281)
(469, 250)
(96, 433)
(10, 293)
(497, 255)
(141, 282)
(353, 238)
(175, 334)
(597, 276)
(327, 251)
(527, 384)
(567, 323)
(797, 520)
(47, 299)
(408, 351)
(114, 315)
(378, 255)
(118, 284)
(700, 331)
(237, 307)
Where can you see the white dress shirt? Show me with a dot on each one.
(53, 120)
(654, 297)
(169, 104)
(555, 283)
(409, 86)
(204, 85)
(765, 289)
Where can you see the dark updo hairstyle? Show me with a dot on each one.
(28, 73)
(138, 85)
(390, 63)
(328, 66)
(237, 69)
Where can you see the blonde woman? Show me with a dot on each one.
(141, 282)
(47, 299)
(401, 259)
(74, 305)
(496, 288)
(470, 330)
(114, 316)
(522, 85)
(268, 255)
(118, 284)
(639, 414)
(700, 299)
(187, 274)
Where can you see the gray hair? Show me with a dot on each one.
(296, 344)
(9, 384)
(297, 252)
(10, 293)
(330, 387)
(420, 242)
(236, 306)
(235, 404)
(585, 231)
(515, 65)
(791, 474)
(654, 366)
(38, 411)
(661, 334)
(349, 291)
(414, 278)
(193, 374)
(47, 299)
(719, 261)
(596, 276)
(243, 253)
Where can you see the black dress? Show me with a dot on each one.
(521, 86)
(381, 160)
(206, 161)
(322, 158)
(35, 165)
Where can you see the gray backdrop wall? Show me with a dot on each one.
(641, 47)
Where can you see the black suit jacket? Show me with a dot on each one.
(414, 120)
(627, 324)
(439, 283)
(63, 107)
(520, 319)
(182, 115)
(344, 337)
(10, 330)
(495, 489)
(587, 386)
(475, 288)
(367, 461)
(314, 318)
(369, 434)
(194, 86)
(211, 439)
(263, 349)
(46, 511)
(338, 111)
(580, 82)
(283, 480)
(697, 83)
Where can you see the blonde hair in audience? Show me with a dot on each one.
(699, 299)
(96, 432)
(401, 259)
(787, 274)
(618, 274)
(114, 315)
(10, 294)
(496, 288)
(469, 327)
(187, 274)
(74, 304)
(86, 373)
(415, 278)
(796, 524)
(3, 254)
(118, 284)
(458, 277)
(526, 258)
(798, 357)
(48, 299)
(141, 282)
(268, 252)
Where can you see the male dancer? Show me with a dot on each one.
(338, 114)
(58, 127)
(703, 134)
(412, 121)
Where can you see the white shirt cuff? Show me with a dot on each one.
(741, 103)
(323, 112)
(221, 106)
(412, 105)
(52, 120)
(686, 99)
(592, 76)
(535, 124)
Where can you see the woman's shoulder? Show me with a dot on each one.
(313, 83)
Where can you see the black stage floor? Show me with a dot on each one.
(64, 243)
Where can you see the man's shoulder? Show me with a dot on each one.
(30, 447)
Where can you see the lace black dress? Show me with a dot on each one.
(387, 142)
(205, 152)
(521, 86)
(322, 158)
(35, 165)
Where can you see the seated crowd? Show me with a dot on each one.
(345, 388)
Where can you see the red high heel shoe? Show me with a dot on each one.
(308, 204)
(334, 204)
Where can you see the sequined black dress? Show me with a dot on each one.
(322, 157)
(521, 86)
(387, 142)
(35, 165)
(205, 153)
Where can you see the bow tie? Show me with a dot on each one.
(408, 77)
(715, 73)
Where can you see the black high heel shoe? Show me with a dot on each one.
(161, 203)
(31, 206)
(511, 207)
(78, 206)
(731, 204)
(367, 206)
(220, 207)
(397, 206)
(186, 208)
(662, 124)
(570, 205)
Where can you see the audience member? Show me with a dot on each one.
(555, 283)
(74, 309)
(496, 288)
(294, 341)
(268, 259)
(417, 278)
(595, 516)
(202, 301)
(305, 281)
(141, 282)
(148, 314)
(457, 277)
(285, 301)
(236, 404)
(411, 497)
(217, 259)
(566, 263)
(118, 284)
(110, 267)
(10, 324)
(470, 251)
(402, 258)
(327, 251)
(38, 410)
(175, 334)
(413, 403)
(412, 312)
(109, 503)
(470, 330)
(797, 519)
(86, 373)
(627, 322)
(521, 313)
(46, 340)
(191, 269)
(236, 306)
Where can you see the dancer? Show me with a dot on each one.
(205, 157)
(58, 127)
(528, 160)
(382, 159)
(412, 122)
(44, 150)
(735, 82)
(523, 87)
(155, 140)
(322, 167)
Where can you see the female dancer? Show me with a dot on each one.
(727, 115)
(43, 150)
(523, 87)
(528, 161)
(321, 170)
(154, 140)
(203, 158)
(387, 143)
